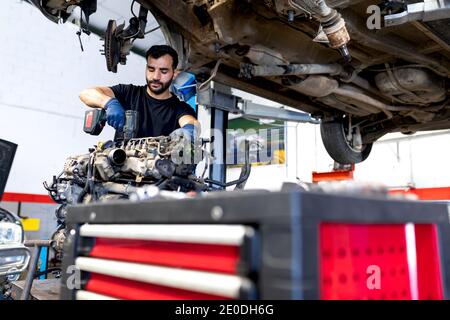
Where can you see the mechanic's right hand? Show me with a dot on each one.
(115, 114)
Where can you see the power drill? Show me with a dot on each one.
(95, 121)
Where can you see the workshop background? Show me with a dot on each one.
(43, 69)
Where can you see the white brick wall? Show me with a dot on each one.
(42, 70)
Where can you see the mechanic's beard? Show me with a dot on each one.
(164, 86)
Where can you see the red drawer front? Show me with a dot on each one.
(134, 290)
(204, 257)
(352, 255)
(428, 263)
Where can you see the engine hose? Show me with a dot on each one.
(160, 181)
(164, 184)
(92, 183)
(183, 182)
(82, 194)
(79, 181)
(42, 273)
(88, 182)
(245, 173)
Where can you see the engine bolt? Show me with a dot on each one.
(291, 16)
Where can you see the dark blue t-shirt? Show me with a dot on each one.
(156, 117)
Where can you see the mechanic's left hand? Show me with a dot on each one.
(189, 132)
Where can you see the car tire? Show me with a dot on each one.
(337, 146)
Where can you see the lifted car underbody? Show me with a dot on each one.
(319, 57)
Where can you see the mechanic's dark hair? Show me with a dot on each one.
(160, 50)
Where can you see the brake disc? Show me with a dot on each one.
(112, 46)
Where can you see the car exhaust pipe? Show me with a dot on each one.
(331, 21)
(249, 70)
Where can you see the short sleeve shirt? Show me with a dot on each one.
(156, 117)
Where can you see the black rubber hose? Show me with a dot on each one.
(245, 173)
(43, 273)
(87, 185)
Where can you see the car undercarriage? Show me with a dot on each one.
(332, 59)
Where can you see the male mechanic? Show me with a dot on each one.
(160, 111)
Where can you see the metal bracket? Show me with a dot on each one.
(249, 109)
(212, 98)
(119, 40)
(221, 103)
(428, 10)
(227, 102)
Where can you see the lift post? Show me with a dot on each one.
(216, 102)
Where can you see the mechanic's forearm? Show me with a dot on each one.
(188, 119)
(96, 97)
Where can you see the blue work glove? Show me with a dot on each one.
(115, 114)
(188, 132)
